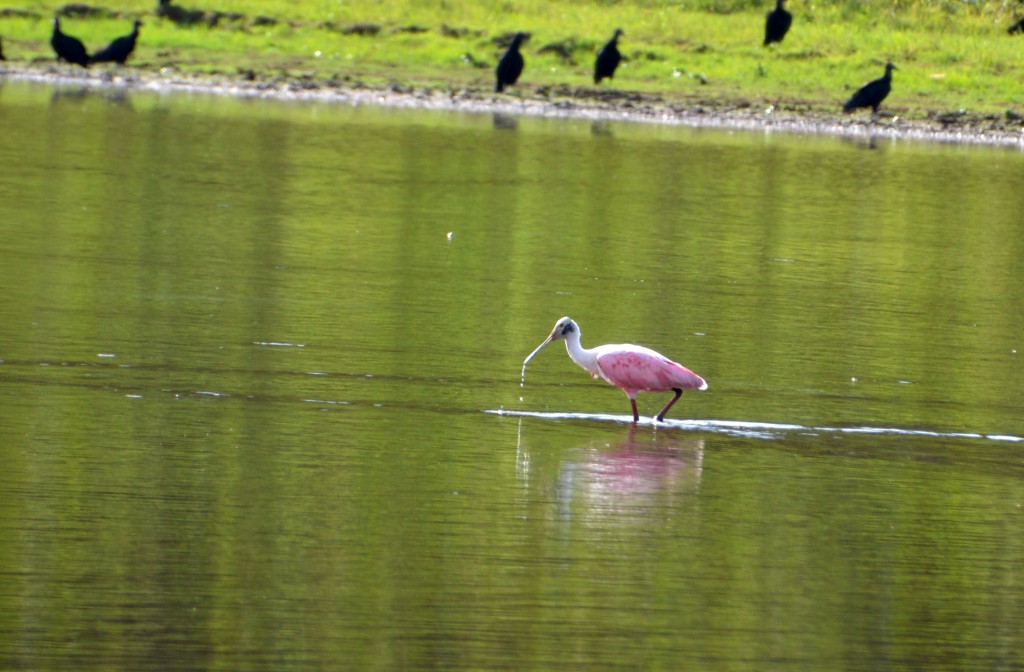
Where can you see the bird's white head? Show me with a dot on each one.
(565, 328)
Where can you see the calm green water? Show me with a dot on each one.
(260, 401)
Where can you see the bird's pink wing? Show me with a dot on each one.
(635, 368)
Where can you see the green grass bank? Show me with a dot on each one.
(953, 56)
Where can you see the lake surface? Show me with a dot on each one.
(260, 402)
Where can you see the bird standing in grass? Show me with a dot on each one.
(608, 58)
(120, 49)
(180, 15)
(777, 24)
(68, 48)
(511, 64)
(631, 368)
(873, 93)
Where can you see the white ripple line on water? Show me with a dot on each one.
(753, 119)
(767, 430)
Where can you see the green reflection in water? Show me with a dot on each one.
(244, 366)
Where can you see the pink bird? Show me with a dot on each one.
(631, 368)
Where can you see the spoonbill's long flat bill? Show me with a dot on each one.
(631, 368)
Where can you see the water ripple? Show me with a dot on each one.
(760, 430)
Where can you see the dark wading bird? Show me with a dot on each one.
(2, 57)
(777, 24)
(631, 368)
(873, 93)
(608, 58)
(120, 49)
(68, 48)
(511, 64)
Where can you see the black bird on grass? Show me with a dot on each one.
(777, 24)
(511, 64)
(180, 15)
(1017, 27)
(2, 57)
(120, 49)
(608, 58)
(873, 93)
(68, 48)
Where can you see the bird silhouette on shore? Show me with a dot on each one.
(68, 48)
(179, 15)
(631, 368)
(777, 23)
(120, 49)
(510, 66)
(608, 58)
(873, 93)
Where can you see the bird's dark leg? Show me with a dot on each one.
(636, 415)
(679, 393)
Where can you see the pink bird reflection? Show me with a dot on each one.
(631, 476)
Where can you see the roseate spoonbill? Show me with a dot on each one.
(631, 368)
(777, 24)
(608, 58)
(120, 49)
(68, 48)
(511, 64)
(873, 93)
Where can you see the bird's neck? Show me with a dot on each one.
(583, 357)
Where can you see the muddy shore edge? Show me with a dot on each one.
(590, 104)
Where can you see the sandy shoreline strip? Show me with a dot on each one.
(611, 106)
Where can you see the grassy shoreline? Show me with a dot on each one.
(959, 68)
